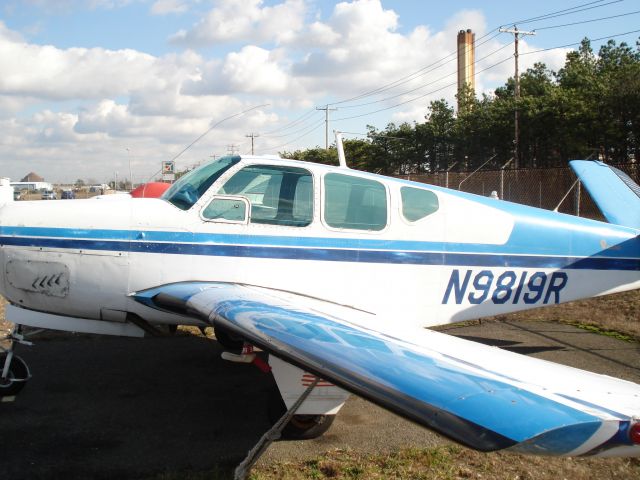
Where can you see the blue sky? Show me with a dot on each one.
(83, 81)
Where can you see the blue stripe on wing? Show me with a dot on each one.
(451, 396)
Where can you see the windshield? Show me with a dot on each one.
(190, 187)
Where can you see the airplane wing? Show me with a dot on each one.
(477, 395)
(615, 193)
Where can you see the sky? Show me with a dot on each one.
(98, 88)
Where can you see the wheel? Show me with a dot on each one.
(300, 427)
(19, 370)
(229, 341)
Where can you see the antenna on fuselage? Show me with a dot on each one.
(341, 158)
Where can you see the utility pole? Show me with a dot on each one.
(516, 140)
(232, 149)
(326, 123)
(252, 136)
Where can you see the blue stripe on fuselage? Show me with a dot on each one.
(254, 250)
(525, 240)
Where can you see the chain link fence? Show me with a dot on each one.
(543, 188)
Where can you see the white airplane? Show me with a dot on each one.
(337, 274)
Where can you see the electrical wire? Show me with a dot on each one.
(295, 132)
(291, 123)
(587, 21)
(562, 13)
(301, 126)
(419, 73)
(480, 71)
(407, 78)
(455, 72)
(298, 138)
(578, 43)
(306, 117)
(423, 95)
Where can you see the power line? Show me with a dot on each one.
(564, 12)
(421, 96)
(478, 72)
(304, 126)
(214, 126)
(301, 136)
(426, 84)
(606, 37)
(412, 76)
(587, 21)
(291, 123)
(305, 118)
(407, 78)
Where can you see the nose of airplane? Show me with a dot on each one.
(6, 198)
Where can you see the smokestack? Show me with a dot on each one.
(466, 59)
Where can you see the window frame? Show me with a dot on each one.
(401, 205)
(241, 166)
(323, 195)
(244, 200)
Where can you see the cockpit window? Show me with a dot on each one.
(278, 195)
(190, 187)
(418, 203)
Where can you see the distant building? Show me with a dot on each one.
(32, 177)
(32, 181)
(466, 60)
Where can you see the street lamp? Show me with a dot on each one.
(130, 175)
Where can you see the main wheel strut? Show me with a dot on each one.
(14, 372)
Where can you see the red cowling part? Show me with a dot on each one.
(634, 433)
(150, 190)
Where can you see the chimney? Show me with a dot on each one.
(466, 59)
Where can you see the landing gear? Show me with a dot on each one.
(16, 376)
(229, 341)
(299, 427)
(14, 372)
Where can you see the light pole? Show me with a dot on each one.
(130, 175)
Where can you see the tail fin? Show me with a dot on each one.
(615, 193)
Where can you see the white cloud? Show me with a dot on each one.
(78, 108)
(166, 7)
(63, 6)
(48, 72)
(246, 21)
(252, 70)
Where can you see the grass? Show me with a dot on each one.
(603, 331)
(444, 463)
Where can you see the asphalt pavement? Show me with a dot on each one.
(134, 408)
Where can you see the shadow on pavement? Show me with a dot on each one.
(131, 408)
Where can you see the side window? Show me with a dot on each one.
(278, 195)
(354, 203)
(418, 203)
(221, 209)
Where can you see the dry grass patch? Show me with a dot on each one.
(447, 462)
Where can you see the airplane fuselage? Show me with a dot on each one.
(419, 254)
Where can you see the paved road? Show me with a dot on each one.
(131, 408)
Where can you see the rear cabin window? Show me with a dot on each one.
(418, 203)
(354, 203)
(278, 195)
